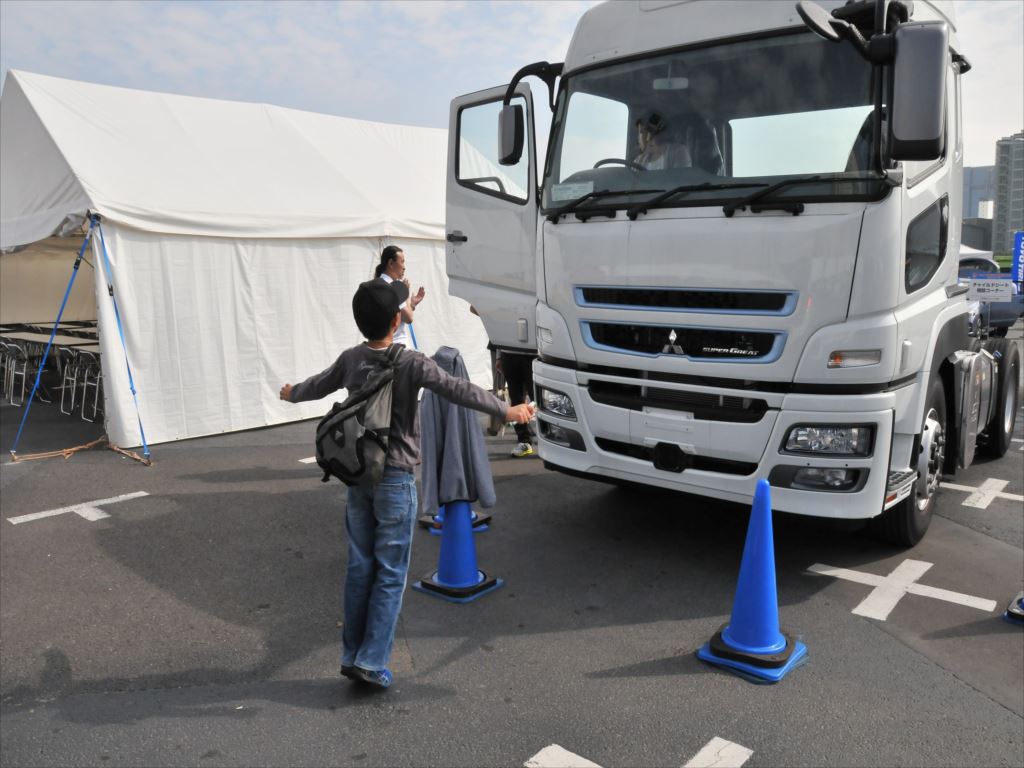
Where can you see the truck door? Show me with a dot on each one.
(491, 218)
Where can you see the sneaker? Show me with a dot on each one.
(348, 671)
(522, 450)
(380, 678)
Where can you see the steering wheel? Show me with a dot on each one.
(619, 161)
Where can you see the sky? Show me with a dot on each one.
(396, 62)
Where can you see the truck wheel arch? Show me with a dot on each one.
(952, 337)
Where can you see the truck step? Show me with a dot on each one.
(898, 486)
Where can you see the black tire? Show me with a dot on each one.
(905, 523)
(998, 434)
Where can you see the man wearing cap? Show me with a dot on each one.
(657, 151)
(380, 518)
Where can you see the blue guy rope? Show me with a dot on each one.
(412, 335)
(120, 329)
(53, 333)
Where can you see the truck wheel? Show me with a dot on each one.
(999, 432)
(905, 523)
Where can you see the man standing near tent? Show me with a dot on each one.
(391, 268)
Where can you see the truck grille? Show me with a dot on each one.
(706, 463)
(693, 343)
(703, 406)
(762, 302)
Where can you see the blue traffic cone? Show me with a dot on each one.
(435, 523)
(457, 578)
(1014, 612)
(752, 643)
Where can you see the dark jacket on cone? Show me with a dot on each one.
(455, 465)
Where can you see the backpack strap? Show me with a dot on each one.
(394, 351)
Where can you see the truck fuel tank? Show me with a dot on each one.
(974, 379)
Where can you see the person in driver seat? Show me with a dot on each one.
(657, 150)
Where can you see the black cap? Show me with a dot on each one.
(653, 121)
(375, 304)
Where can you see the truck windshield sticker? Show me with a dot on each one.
(560, 192)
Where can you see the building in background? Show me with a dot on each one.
(979, 185)
(977, 233)
(986, 209)
(1009, 199)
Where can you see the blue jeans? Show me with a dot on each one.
(380, 522)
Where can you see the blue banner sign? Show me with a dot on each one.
(1018, 260)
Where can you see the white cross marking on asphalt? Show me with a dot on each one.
(985, 493)
(1018, 440)
(889, 590)
(554, 756)
(310, 460)
(719, 753)
(89, 510)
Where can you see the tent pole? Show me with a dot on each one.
(109, 275)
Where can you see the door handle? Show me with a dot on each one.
(456, 237)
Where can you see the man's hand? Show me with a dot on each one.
(520, 414)
(286, 393)
(415, 300)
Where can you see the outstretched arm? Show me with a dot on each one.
(316, 386)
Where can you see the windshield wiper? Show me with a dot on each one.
(572, 205)
(645, 206)
(793, 207)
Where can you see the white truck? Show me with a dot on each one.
(777, 296)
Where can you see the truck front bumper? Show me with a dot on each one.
(616, 438)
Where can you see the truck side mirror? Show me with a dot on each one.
(510, 134)
(919, 91)
(817, 19)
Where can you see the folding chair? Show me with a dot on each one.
(92, 376)
(17, 366)
(6, 357)
(69, 378)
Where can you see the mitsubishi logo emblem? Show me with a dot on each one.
(672, 348)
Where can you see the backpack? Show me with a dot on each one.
(352, 439)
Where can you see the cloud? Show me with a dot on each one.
(397, 62)
(992, 37)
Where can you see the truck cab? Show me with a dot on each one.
(738, 257)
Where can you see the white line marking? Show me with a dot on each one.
(1018, 440)
(719, 753)
(984, 494)
(88, 510)
(554, 756)
(310, 460)
(952, 597)
(889, 590)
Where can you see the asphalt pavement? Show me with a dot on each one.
(188, 613)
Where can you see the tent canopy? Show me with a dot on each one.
(236, 235)
(184, 165)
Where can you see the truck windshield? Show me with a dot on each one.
(725, 118)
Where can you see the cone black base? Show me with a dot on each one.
(430, 585)
(722, 650)
(1015, 610)
(479, 520)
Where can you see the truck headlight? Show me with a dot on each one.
(557, 403)
(837, 439)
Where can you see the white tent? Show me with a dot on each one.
(966, 250)
(236, 235)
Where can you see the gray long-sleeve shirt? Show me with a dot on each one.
(413, 371)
